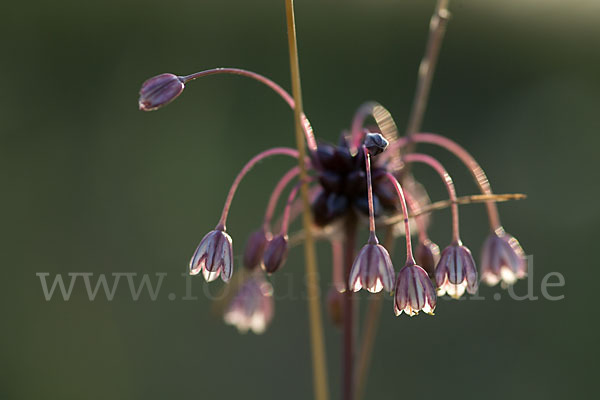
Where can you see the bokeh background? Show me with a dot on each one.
(91, 184)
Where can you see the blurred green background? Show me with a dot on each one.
(91, 184)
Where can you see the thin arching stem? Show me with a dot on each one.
(261, 156)
(439, 168)
(400, 193)
(372, 235)
(477, 172)
(288, 206)
(306, 127)
(285, 179)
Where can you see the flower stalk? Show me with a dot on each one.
(244, 171)
(312, 278)
(467, 159)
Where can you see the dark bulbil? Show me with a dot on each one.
(375, 143)
(344, 183)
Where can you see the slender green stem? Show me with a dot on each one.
(312, 278)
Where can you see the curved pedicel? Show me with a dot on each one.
(476, 170)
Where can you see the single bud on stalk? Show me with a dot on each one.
(160, 91)
(275, 254)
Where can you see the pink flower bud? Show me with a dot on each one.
(275, 254)
(159, 91)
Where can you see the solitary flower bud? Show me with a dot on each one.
(255, 248)
(502, 259)
(213, 257)
(456, 271)
(375, 143)
(275, 254)
(159, 91)
(414, 291)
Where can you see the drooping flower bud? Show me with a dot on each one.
(255, 248)
(372, 270)
(427, 256)
(456, 271)
(502, 259)
(213, 256)
(159, 91)
(252, 307)
(414, 291)
(275, 254)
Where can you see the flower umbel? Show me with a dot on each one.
(363, 176)
(213, 257)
